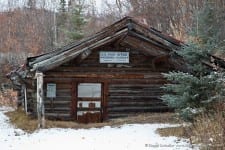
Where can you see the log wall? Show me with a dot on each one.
(60, 106)
(128, 99)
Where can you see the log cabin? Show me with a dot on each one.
(116, 72)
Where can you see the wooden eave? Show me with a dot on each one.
(126, 30)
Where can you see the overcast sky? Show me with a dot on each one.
(50, 4)
(7, 4)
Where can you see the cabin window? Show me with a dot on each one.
(92, 90)
(51, 90)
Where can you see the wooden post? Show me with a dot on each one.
(74, 100)
(105, 100)
(40, 104)
(25, 97)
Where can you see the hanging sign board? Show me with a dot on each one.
(51, 90)
(114, 57)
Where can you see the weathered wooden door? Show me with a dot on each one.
(89, 102)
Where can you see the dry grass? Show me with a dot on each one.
(29, 124)
(179, 131)
(22, 121)
(8, 98)
(209, 130)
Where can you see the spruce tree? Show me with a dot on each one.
(77, 21)
(60, 21)
(62, 6)
(198, 89)
(70, 22)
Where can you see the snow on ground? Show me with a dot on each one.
(126, 137)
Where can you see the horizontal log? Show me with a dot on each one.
(62, 101)
(136, 94)
(63, 94)
(60, 90)
(58, 114)
(134, 85)
(122, 67)
(135, 90)
(121, 73)
(58, 109)
(58, 99)
(154, 99)
(65, 86)
(135, 103)
(94, 75)
(160, 81)
(58, 80)
(133, 96)
(102, 69)
(138, 81)
(137, 109)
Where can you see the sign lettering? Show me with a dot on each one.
(114, 57)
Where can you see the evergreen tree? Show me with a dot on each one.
(77, 21)
(31, 3)
(60, 21)
(62, 6)
(70, 21)
(197, 90)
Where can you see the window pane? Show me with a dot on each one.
(89, 90)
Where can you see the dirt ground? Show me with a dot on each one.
(29, 124)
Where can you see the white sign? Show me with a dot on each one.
(114, 57)
(85, 104)
(51, 90)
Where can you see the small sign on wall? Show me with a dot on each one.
(114, 57)
(51, 90)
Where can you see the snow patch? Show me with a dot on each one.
(125, 137)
